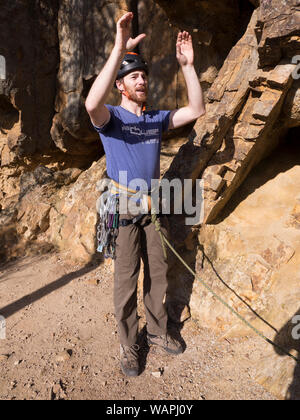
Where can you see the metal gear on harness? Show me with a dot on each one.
(108, 228)
(127, 222)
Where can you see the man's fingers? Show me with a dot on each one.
(183, 37)
(139, 38)
(133, 42)
(125, 19)
(127, 15)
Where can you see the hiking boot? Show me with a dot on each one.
(129, 360)
(168, 343)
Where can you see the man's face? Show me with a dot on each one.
(136, 84)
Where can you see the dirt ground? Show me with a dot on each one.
(61, 343)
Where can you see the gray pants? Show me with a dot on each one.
(134, 242)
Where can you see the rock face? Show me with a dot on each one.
(254, 249)
(243, 120)
(248, 253)
(252, 260)
(73, 219)
(277, 31)
(42, 116)
(86, 35)
(28, 92)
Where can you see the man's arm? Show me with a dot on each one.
(104, 83)
(196, 105)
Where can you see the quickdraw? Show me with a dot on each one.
(107, 230)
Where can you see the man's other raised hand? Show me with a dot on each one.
(184, 49)
(124, 40)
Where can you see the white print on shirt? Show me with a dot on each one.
(139, 132)
(150, 141)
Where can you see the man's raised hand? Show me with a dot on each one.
(184, 49)
(124, 41)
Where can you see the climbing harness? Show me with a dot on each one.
(166, 242)
(109, 211)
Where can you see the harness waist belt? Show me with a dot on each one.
(118, 188)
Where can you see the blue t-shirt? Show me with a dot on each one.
(132, 144)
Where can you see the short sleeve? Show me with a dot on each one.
(108, 125)
(165, 117)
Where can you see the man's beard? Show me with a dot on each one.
(137, 97)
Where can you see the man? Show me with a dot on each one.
(131, 138)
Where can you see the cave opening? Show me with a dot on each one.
(9, 115)
(281, 154)
(284, 155)
(246, 8)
